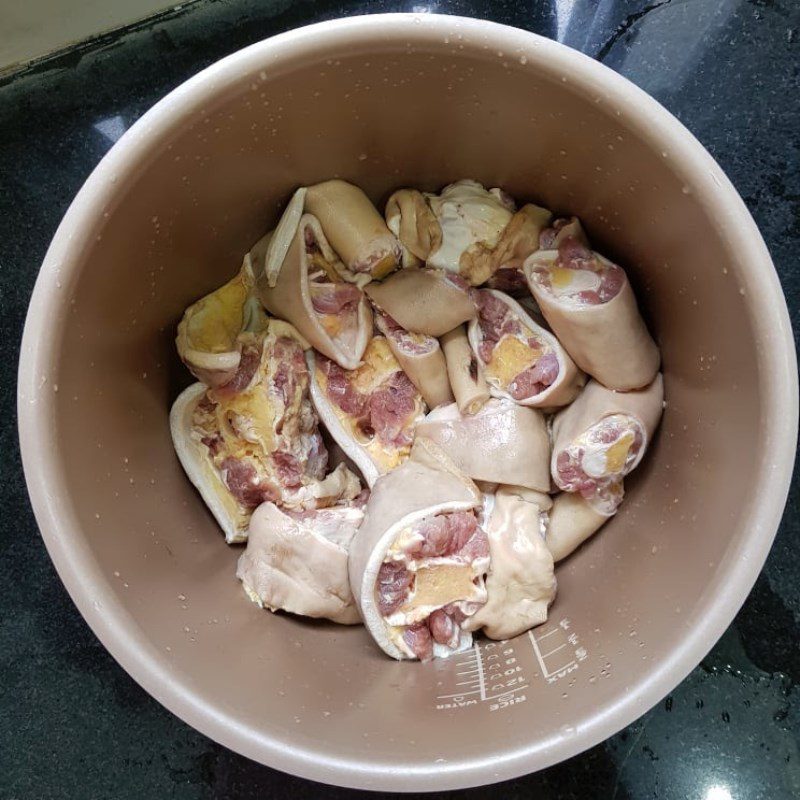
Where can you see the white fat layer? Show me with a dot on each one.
(486, 510)
(581, 280)
(198, 466)
(404, 540)
(337, 525)
(544, 523)
(479, 565)
(594, 460)
(443, 651)
(467, 214)
(456, 238)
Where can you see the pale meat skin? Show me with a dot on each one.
(299, 563)
(426, 301)
(600, 326)
(521, 236)
(521, 583)
(410, 218)
(642, 409)
(464, 371)
(572, 522)
(334, 317)
(501, 443)
(354, 228)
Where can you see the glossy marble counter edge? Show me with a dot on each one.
(73, 724)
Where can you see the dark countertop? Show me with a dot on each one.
(73, 724)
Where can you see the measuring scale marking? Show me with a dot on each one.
(547, 650)
(493, 672)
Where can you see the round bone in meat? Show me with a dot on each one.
(597, 402)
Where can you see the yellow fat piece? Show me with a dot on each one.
(439, 585)
(216, 320)
(509, 358)
(332, 324)
(560, 277)
(252, 412)
(254, 419)
(379, 361)
(617, 454)
(218, 420)
(317, 261)
(386, 265)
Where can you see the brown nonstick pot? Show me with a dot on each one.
(390, 101)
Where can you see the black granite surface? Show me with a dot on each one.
(73, 724)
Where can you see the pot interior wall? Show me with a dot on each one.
(384, 116)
